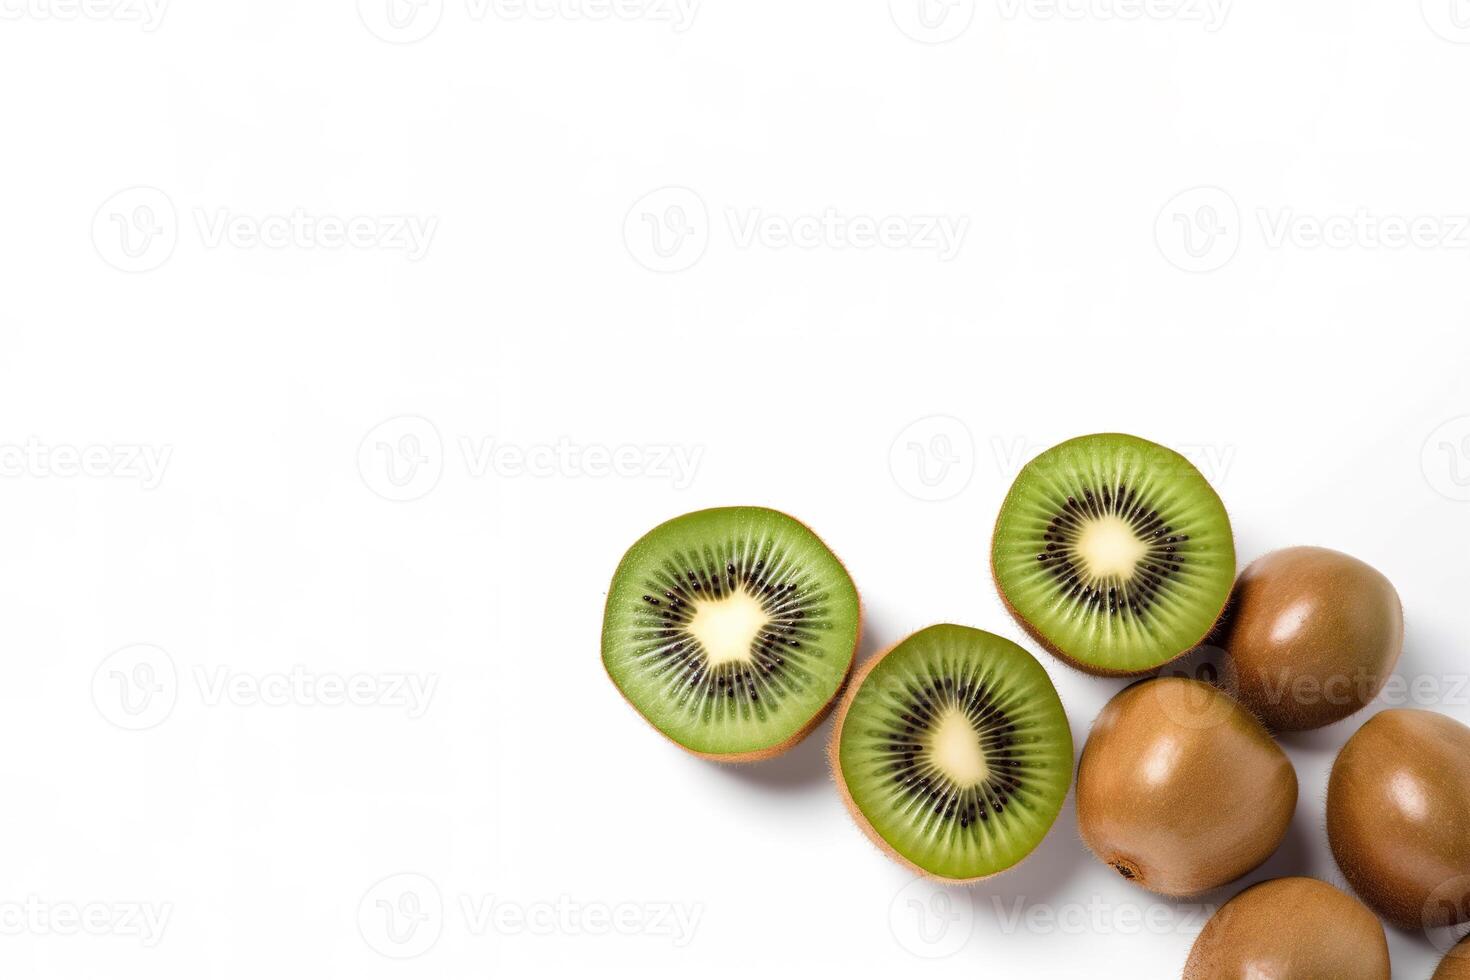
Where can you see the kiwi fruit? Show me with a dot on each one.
(1456, 963)
(1312, 635)
(1114, 553)
(1398, 817)
(1290, 929)
(731, 630)
(1180, 789)
(952, 752)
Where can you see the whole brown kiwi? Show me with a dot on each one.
(1398, 817)
(1180, 789)
(1290, 929)
(1312, 634)
(1456, 963)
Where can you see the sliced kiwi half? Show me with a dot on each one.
(731, 630)
(1114, 552)
(953, 753)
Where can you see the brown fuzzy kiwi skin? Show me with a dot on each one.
(770, 752)
(834, 760)
(1291, 929)
(1412, 868)
(1225, 772)
(1069, 660)
(1456, 963)
(1344, 627)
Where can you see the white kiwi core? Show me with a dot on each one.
(1109, 548)
(954, 749)
(727, 628)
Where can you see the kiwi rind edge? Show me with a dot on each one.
(770, 752)
(1094, 669)
(834, 761)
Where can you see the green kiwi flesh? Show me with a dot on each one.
(1114, 552)
(731, 630)
(953, 753)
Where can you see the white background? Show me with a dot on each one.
(378, 461)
